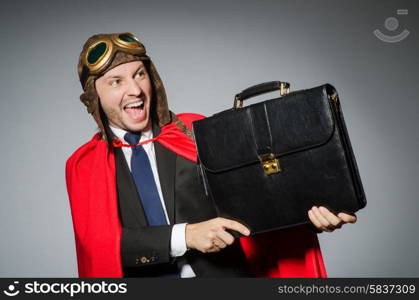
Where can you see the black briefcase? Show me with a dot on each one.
(267, 164)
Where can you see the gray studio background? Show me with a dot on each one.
(205, 53)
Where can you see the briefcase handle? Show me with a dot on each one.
(262, 88)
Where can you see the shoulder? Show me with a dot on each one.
(85, 152)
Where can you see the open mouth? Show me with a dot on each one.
(135, 110)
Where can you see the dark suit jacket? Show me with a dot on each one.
(145, 250)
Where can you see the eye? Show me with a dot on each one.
(140, 73)
(115, 82)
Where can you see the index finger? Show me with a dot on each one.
(347, 218)
(234, 225)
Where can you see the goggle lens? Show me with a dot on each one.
(96, 52)
(128, 38)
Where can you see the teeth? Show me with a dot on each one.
(134, 105)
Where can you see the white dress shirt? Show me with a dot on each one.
(177, 241)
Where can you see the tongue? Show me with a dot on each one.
(134, 113)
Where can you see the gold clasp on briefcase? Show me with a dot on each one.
(269, 163)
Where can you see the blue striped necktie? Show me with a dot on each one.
(145, 183)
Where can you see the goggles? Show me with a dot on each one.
(101, 52)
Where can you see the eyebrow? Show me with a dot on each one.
(139, 68)
(113, 76)
(118, 76)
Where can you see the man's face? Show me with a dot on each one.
(125, 95)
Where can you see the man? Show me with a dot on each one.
(137, 203)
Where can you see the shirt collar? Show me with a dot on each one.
(120, 133)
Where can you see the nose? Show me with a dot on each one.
(134, 88)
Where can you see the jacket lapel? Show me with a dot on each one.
(166, 166)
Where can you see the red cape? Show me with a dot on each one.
(91, 186)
